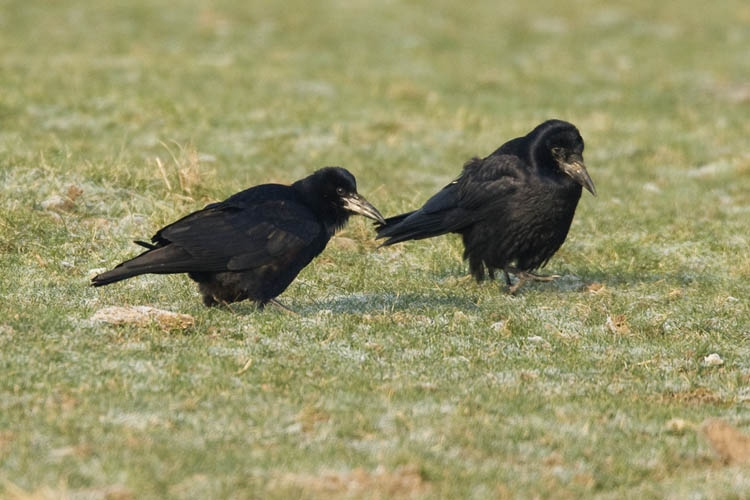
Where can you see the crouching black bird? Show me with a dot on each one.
(512, 208)
(253, 244)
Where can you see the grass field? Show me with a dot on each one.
(399, 378)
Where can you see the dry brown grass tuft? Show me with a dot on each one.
(143, 316)
(184, 172)
(731, 445)
(698, 396)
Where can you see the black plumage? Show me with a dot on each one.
(513, 208)
(253, 244)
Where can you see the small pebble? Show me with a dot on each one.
(57, 202)
(498, 325)
(713, 359)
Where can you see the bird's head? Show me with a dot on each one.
(336, 191)
(565, 144)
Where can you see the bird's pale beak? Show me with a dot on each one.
(574, 167)
(358, 205)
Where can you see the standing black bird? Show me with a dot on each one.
(253, 244)
(512, 208)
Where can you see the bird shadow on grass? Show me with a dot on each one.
(370, 303)
(619, 279)
(355, 303)
(454, 295)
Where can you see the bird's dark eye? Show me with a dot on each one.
(340, 191)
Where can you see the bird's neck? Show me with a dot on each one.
(334, 221)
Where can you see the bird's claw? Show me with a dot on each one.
(542, 277)
(524, 276)
(284, 308)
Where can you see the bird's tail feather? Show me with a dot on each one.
(159, 260)
(145, 244)
(402, 228)
(117, 274)
(390, 222)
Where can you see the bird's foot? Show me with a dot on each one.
(284, 308)
(209, 300)
(543, 277)
(524, 276)
(514, 288)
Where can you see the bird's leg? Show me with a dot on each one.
(284, 308)
(228, 305)
(512, 289)
(522, 278)
(506, 272)
(209, 300)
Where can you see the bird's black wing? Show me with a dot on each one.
(234, 236)
(254, 228)
(487, 183)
